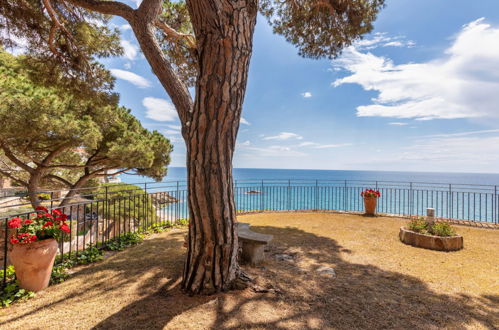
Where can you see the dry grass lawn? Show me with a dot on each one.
(381, 283)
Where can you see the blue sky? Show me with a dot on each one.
(420, 93)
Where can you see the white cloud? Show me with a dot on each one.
(159, 109)
(284, 136)
(125, 27)
(130, 51)
(316, 145)
(171, 132)
(175, 127)
(328, 146)
(397, 123)
(244, 121)
(306, 95)
(461, 84)
(127, 65)
(244, 144)
(486, 131)
(382, 39)
(270, 151)
(131, 77)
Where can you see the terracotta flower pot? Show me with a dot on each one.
(370, 205)
(33, 263)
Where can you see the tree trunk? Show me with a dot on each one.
(34, 187)
(224, 33)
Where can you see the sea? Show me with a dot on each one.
(463, 196)
(240, 174)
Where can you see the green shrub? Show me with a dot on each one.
(419, 225)
(44, 197)
(442, 229)
(122, 242)
(438, 228)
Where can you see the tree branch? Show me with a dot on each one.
(106, 7)
(58, 178)
(114, 174)
(142, 22)
(10, 176)
(14, 159)
(189, 39)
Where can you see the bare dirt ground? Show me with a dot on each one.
(380, 283)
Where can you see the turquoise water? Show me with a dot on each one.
(464, 196)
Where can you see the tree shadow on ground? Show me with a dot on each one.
(361, 296)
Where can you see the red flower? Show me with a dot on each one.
(33, 238)
(47, 224)
(28, 221)
(65, 228)
(48, 215)
(62, 217)
(14, 240)
(15, 222)
(41, 208)
(57, 212)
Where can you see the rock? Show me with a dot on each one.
(284, 257)
(326, 271)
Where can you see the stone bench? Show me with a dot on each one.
(252, 244)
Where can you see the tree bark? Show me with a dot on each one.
(224, 33)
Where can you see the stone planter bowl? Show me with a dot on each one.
(439, 243)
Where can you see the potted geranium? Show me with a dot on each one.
(370, 199)
(33, 246)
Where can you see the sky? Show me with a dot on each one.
(419, 93)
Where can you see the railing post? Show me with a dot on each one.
(316, 202)
(177, 205)
(345, 196)
(449, 210)
(411, 201)
(289, 195)
(495, 215)
(262, 206)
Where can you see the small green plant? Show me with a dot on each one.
(122, 242)
(183, 222)
(12, 292)
(158, 227)
(442, 229)
(419, 225)
(59, 274)
(89, 255)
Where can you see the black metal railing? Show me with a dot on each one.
(99, 214)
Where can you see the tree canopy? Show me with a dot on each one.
(52, 136)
